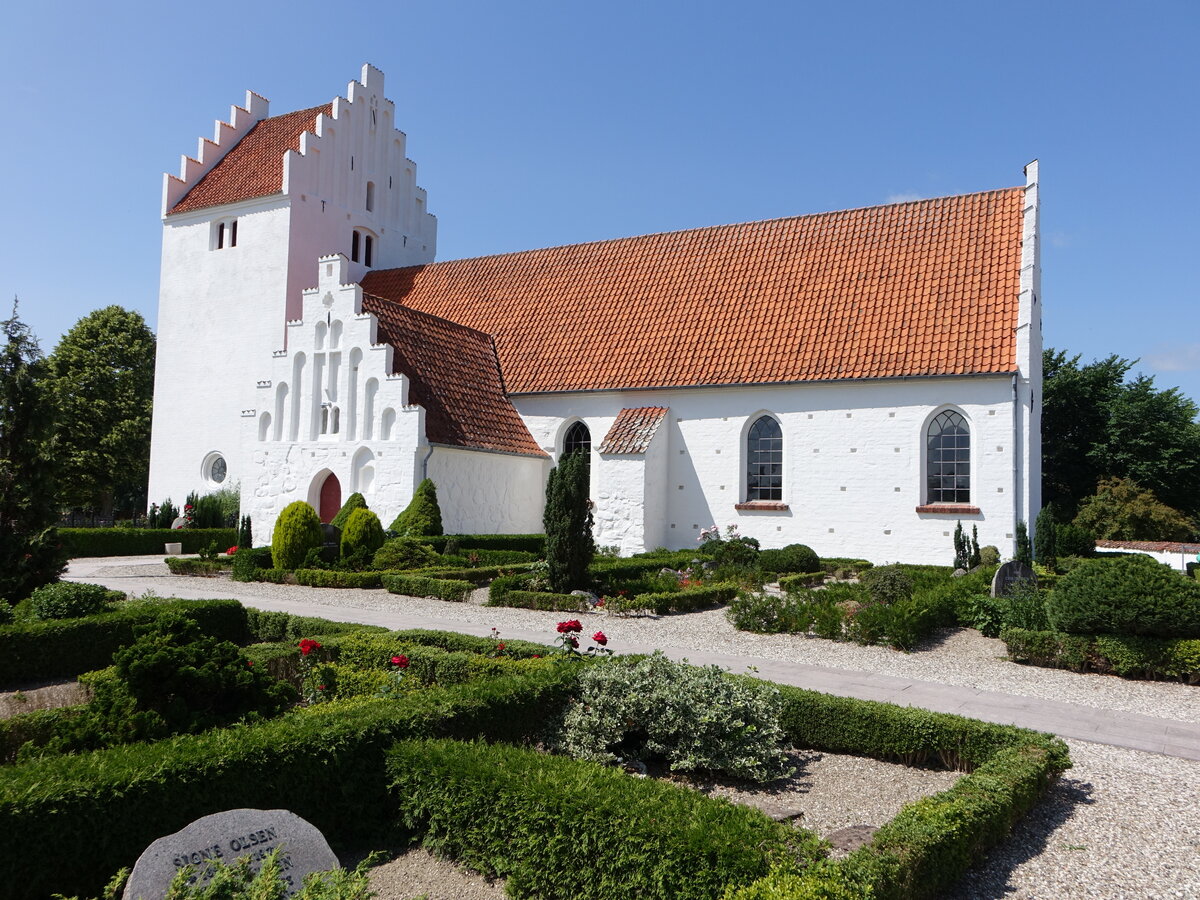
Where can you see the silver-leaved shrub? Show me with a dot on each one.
(696, 719)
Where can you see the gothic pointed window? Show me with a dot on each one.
(948, 448)
(764, 460)
(578, 439)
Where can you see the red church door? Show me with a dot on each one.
(331, 498)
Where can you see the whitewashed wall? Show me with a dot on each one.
(488, 493)
(853, 462)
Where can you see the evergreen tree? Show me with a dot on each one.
(1024, 552)
(102, 377)
(570, 544)
(1045, 535)
(30, 555)
(422, 516)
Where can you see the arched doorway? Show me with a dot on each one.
(331, 498)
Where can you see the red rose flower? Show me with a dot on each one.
(320, 687)
(400, 662)
(600, 638)
(500, 646)
(573, 641)
(231, 551)
(308, 645)
(569, 626)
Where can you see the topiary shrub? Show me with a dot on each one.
(422, 516)
(353, 502)
(567, 518)
(245, 537)
(362, 534)
(404, 553)
(989, 555)
(693, 718)
(794, 558)
(297, 530)
(1130, 595)
(887, 584)
(69, 600)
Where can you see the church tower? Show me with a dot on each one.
(244, 224)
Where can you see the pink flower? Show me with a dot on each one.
(600, 638)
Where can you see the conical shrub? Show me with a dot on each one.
(422, 516)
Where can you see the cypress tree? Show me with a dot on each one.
(570, 545)
(1024, 551)
(1045, 549)
(30, 555)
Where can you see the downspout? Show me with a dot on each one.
(425, 463)
(1016, 425)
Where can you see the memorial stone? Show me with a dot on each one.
(1011, 574)
(226, 837)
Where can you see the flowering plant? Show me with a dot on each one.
(189, 513)
(316, 677)
(232, 550)
(499, 651)
(394, 687)
(568, 643)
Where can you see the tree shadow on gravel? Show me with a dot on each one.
(1030, 837)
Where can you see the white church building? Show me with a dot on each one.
(857, 381)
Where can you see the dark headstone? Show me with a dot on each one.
(1010, 574)
(227, 837)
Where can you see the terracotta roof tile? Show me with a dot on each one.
(254, 165)
(455, 376)
(922, 288)
(1150, 546)
(633, 430)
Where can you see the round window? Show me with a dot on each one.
(216, 468)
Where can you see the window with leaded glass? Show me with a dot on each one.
(578, 438)
(764, 460)
(948, 445)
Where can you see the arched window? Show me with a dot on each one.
(578, 438)
(948, 443)
(764, 460)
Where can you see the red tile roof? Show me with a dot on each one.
(254, 166)
(922, 288)
(1150, 546)
(633, 430)
(455, 376)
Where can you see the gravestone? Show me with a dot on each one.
(226, 837)
(1010, 574)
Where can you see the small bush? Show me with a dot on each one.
(793, 583)
(333, 578)
(1073, 540)
(297, 530)
(362, 534)
(1131, 595)
(888, 584)
(404, 553)
(71, 600)
(684, 600)
(765, 613)
(422, 516)
(198, 567)
(249, 560)
(989, 556)
(692, 718)
(792, 558)
(91, 542)
(354, 502)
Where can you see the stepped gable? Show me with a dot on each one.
(254, 166)
(455, 376)
(928, 287)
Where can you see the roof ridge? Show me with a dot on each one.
(703, 228)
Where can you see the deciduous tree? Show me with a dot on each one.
(103, 382)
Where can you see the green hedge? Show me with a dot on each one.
(267, 625)
(65, 647)
(543, 600)
(439, 589)
(559, 827)
(831, 564)
(530, 543)
(37, 728)
(468, 643)
(327, 764)
(78, 542)
(927, 847)
(328, 578)
(204, 567)
(684, 600)
(1162, 659)
(478, 576)
(249, 560)
(803, 580)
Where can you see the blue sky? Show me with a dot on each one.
(543, 123)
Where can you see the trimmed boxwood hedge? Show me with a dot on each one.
(329, 578)
(530, 543)
(791, 583)
(65, 647)
(684, 600)
(558, 827)
(78, 542)
(544, 600)
(439, 589)
(478, 576)
(1162, 659)
(327, 764)
(202, 567)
